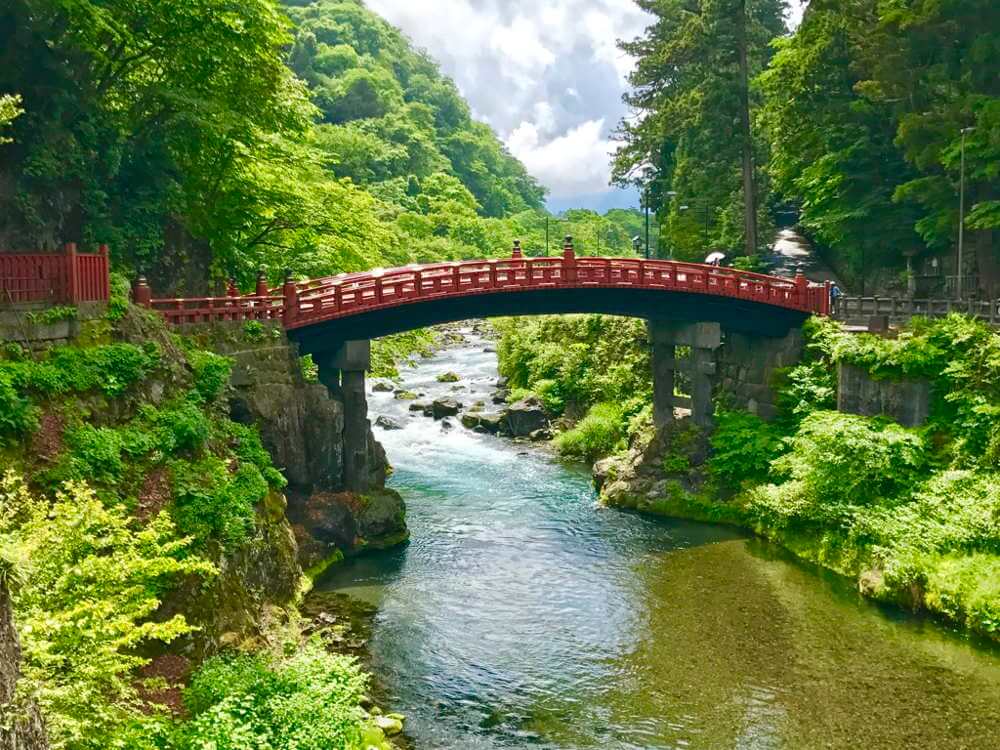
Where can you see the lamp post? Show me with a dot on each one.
(961, 218)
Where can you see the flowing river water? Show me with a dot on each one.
(522, 615)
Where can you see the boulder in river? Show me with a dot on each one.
(524, 417)
(445, 407)
(383, 387)
(448, 377)
(418, 406)
(388, 423)
(406, 396)
(540, 436)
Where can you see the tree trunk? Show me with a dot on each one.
(749, 187)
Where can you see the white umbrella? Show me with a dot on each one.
(715, 259)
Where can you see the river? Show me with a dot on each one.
(523, 615)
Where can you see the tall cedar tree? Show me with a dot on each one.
(694, 104)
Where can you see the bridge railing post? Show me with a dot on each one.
(291, 294)
(142, 295)
(569, 260)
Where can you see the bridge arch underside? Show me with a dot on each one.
(742, 316)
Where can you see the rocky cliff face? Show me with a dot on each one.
(302, 426)
(21, 725)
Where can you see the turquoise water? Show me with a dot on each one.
(523, 615)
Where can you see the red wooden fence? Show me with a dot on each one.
(57, 278)
(301, 304)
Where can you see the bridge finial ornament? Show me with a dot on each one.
(517, 253)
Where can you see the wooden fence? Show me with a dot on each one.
(66, 278)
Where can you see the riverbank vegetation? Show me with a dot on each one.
(910, 513)
(855, 120)
(127, 493)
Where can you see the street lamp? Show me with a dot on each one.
(961, 218)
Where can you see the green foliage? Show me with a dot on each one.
(308, 701)
(865, 116)
(579, 361)
(18, 417)
(840, 461)
(118, 297)
(91, 579)
(254, 330)
(211, 373)
(10, 108)
(110, 370)
(52, 315)
(962, 359)
(212, 504)
(389, 351)
(597, 435)
(743, 447)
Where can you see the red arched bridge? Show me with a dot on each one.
(321, 313)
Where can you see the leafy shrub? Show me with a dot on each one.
(212, 504)
(598, 434)
(743, 447)
(91, 581)
(211, 373)
(182, 428)
(118, 301)
(17, 416)
(308, 701)
(837, 462)
(578, 359)
(254, 330)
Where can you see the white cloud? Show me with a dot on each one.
(547, 76)
(574, 163)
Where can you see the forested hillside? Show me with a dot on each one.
(856, 118)
(200, 141)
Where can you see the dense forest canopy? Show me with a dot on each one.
(201, 140)
(857, 118)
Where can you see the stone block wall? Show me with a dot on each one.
(904, 401)
(746, 368)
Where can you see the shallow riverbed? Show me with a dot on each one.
(523, 615)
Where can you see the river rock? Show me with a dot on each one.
(500, 397)
(540, 436)
(446, 424)
(503, 382)
(419, 406)
(382, 387)
(491, 422)
(448, 377)
(470, 421)
(406, 396)
(388, 423)
(445, 407)
(389, 724)
(524, 418)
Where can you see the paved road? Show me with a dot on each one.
(791, 252)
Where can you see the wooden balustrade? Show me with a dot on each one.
(301, 304)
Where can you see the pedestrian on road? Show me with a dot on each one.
(835, 295)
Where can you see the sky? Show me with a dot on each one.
(546, 75)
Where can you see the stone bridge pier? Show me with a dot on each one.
(342, 370)
(738, 368)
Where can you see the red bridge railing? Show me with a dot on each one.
(57, 278)
(300, 304)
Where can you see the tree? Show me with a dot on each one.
(692, 91)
